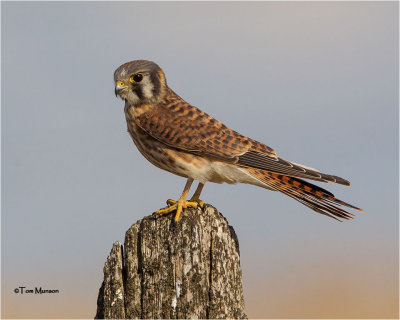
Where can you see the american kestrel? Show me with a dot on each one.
(180, 138)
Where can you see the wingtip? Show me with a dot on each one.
(341, 181)
(344, 182)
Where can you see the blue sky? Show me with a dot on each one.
(316, 81)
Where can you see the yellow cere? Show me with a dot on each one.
(120, 84)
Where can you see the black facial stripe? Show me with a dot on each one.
(156, 83)
(138, 90)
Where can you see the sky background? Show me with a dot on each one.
(316, 81)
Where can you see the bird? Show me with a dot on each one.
(180, 138)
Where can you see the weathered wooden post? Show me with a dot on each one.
(173, 271)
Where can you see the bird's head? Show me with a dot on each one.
(140, 82)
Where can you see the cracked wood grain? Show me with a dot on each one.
(169, 270)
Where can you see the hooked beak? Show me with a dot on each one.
(119, 87)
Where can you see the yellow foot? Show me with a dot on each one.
(200, 202)
(178, 206)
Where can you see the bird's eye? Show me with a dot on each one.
(137, 77)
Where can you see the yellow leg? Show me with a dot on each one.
(180, 204)
(194, 198)
(196, 195)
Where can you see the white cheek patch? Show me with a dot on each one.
(147, 87)
(133, 98)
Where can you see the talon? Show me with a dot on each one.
(165, 210)
(182, 205)
(171, 202)
(201, 203)
(178, 206)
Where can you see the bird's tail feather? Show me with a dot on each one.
(312, 196)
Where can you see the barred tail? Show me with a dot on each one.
(312, 196)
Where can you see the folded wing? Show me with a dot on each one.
(182, 126)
